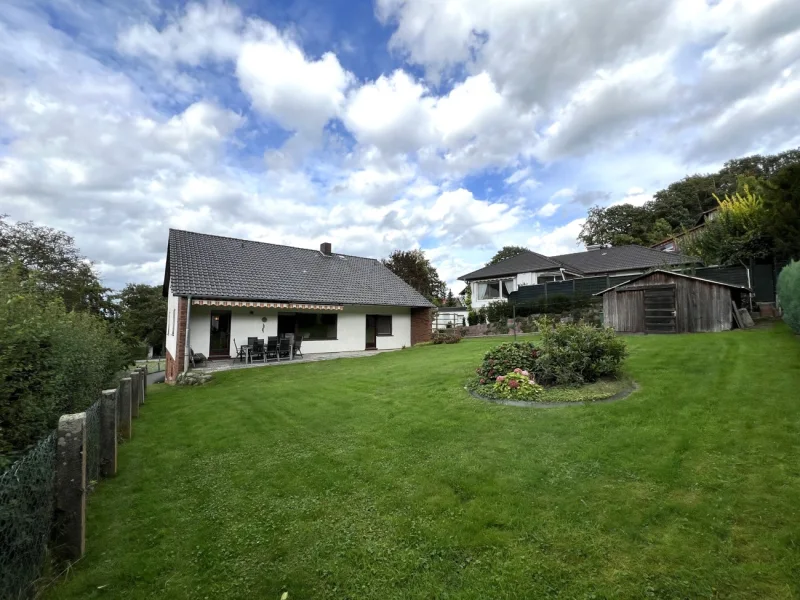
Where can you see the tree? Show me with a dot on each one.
(782, 203)
(142, 315)
(51, 257)
(415, 269)
(450, 301)
(737, 234)
(616, 225)
(506, 252)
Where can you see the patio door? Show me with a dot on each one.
(371, 332)
(220, 339)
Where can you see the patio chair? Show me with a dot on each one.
(196, 357)
(272, 347)
(241, 351)
(251, 340)
(285, 349)
(298, 341)
(257, 351)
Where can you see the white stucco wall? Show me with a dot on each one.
(443, 316)
(351, 328)
(172, 323)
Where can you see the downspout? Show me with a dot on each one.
(186, 350)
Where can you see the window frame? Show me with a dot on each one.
(319, 322)
(377, 329)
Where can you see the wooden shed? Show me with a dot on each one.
(668, 302)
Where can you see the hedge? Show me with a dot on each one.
(789, 294)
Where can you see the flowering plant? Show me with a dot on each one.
(517, 385)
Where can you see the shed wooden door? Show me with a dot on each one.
(659, 309)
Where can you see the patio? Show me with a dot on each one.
(227, 364)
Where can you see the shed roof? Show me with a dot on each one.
(212, 266)
(673, 273)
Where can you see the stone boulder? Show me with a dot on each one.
(193, 378)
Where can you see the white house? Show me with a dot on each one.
(222, 291)
(449, 316)
(495, 282)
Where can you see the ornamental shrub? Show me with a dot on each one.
(517, 385)
(575, 353)
(449, 336)
(789, 294)
(507, 357)
(472, 317)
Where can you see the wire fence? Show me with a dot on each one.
(26, 515)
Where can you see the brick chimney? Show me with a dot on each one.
(325, 248)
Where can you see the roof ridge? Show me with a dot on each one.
(237, 239)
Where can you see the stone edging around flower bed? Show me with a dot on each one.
(618, 396)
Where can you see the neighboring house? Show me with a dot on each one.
(672, 243)
(230, 289)
(497, 281)
(456, 316)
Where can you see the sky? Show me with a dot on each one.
(454, 126)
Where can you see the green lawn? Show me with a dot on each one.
(381, 478)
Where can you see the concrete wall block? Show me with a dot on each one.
(135, 387)
(109, 422)
(70, 529)
(124, 402)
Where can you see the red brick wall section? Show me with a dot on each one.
(421, 323)
(175, 364)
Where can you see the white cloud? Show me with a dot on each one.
(204, 31)
(548, 210)
(563, 193)
(301, 94)
(561, 240)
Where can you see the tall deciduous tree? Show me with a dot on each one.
(616, 225)
(506, 252)
(413, 267)
(782, 201)
(143, 315)
(52, 258)
(737, 234)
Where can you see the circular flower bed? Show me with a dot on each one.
(571, 363)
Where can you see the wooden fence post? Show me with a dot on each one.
(135, 385)
(124, 400)
(108, 433)
(70, 529)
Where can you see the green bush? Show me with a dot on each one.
(499, 312)
(507, 357)
(472, 317)
(789, 294)
(52, 362)
(450, 336)
(575, 353)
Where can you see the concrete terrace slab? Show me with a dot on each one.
(215, 366)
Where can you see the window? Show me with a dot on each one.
(316, 326)
(491, 290)
(488, 290)
(383, 324)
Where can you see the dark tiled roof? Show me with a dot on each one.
(622, 258)
(211, 266)
(525, 262)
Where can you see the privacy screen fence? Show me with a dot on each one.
(761, 281)
(43, 494)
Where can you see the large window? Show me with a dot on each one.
(316, 326)
(491, 290)
(383, 324)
